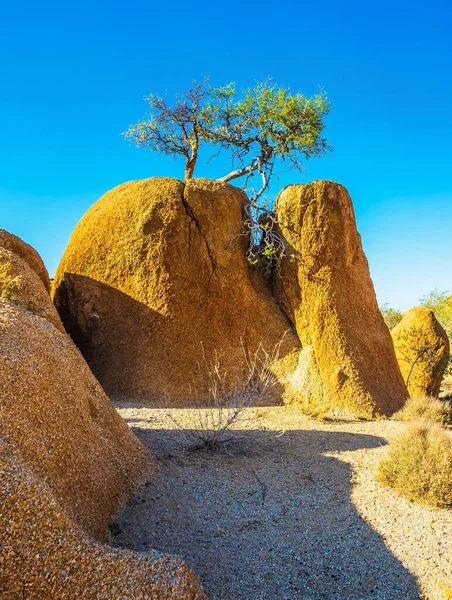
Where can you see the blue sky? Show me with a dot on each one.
(73, 76)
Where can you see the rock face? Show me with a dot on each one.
(422, 349)
(24, 251)
(154, 279)
(325, 289)
(68, 461)
(21, 284)
(43, 555)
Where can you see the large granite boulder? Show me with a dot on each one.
(68, 461)
(44, 555)
(154, 284)
(348, 363)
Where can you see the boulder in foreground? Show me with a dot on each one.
(68, 461)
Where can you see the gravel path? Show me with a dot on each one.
(293, 513)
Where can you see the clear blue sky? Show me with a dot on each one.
(73, 76)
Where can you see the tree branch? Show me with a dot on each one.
(240, 172)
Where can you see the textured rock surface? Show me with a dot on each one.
(20, 284)
(43, 555)
(24, 251)
(58, 418)
(327, 292)
(155, 278)
(422, 349)
(68, 462)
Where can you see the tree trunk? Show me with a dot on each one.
(190, 163)
(239, 172)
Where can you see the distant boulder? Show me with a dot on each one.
(154, 284)
(348, 362)
(422, 349)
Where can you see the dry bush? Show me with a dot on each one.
(211, 424)
(426, 408)
(419, 464)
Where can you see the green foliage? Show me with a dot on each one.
(267, 120)
(440, 302)
(392, 316)
(263, 124)
(425, 408)
(419, 464)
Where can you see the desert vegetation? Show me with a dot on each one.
(214, 426)
(419, 462)
(425, 408)
(391, 315)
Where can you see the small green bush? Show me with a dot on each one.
(392, 316)
(419, 464)
(425, 408)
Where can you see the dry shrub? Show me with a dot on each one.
(419, 464)
(211, 425)
(425, 408)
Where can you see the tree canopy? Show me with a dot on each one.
(261, 127)
(440, 302)
(392, 316)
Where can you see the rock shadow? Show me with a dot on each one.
(127, 346)
(273, 522)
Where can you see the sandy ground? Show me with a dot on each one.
(292, 512)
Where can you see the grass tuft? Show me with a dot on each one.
(419, 464)
(425, 408)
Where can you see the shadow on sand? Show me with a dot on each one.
(274, 521)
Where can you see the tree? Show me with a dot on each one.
(266, 125)
(392, 316)
(262, 128)
(440, 302)
(175, 130)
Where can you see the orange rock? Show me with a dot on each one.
(68, 462)
(348, 361)
(422, 349)
(53, 411)
(11, 242)
(20, 284)
(154, 279)
(43, 555)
